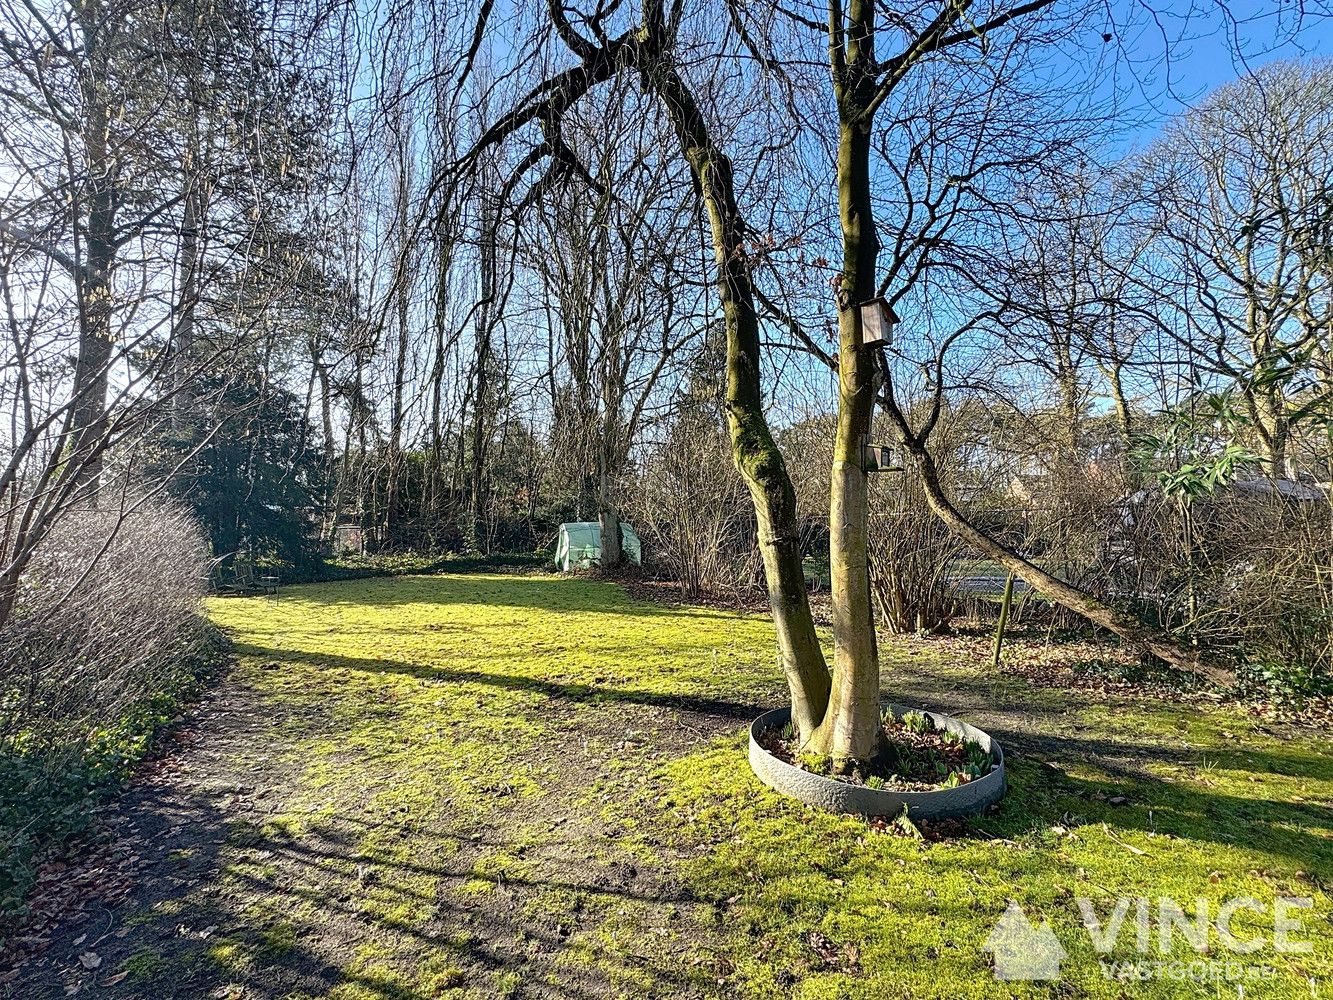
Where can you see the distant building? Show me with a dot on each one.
(1291, 489)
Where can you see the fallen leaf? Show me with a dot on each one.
(90, 960)
(1115, 840)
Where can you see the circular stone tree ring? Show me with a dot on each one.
(846, 797)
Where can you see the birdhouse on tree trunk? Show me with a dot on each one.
(877, 322)
(878, 458)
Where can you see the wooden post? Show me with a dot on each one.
(1005, 602)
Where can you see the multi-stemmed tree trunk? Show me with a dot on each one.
(598, 247)
(836, 714)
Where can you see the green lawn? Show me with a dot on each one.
(490, 786)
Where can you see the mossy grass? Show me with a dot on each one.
(436, 739)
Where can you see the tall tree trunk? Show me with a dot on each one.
(182, 399)
(481, 398)
(433, 502)
(756, 454)
(613, 550)
(1277, 440)
(850, 730)
(402, 289)
(393, 502)
(607, 515)
(1068, 435)
(88, 423)
(477, 456)
(329, 449)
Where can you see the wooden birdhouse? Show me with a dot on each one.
(877, 322)
(879, 458)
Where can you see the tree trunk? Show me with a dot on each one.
(612, 543)
(88, 416)
(1123, 418)
(182, 398)
(851, 729)
(607, 515)
(1277, 440)
(329, 450)
(393, 499)
(1068, 453)
(434, 500)
(482, 397)
(402, 295)
(756, 454)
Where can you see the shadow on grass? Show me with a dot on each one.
(535, 593)
(229, 905)
(716, 708)
(1042, 793)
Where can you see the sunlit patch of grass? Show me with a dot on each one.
(819, 905)
(418, 706)
(228, 954)
(417, 710)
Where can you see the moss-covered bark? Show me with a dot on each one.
(756, 454)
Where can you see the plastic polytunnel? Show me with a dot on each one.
(579, 545)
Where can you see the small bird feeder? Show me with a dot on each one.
(877, 322)
(878, 458)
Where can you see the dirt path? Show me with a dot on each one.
(265, 876)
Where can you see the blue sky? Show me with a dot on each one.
(1211, 42)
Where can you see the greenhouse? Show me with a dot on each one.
(579, 545)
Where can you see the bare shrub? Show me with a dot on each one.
(108, 613)
(1071, 519)
(913, 556)
(1246, 568)
(693, 510)
(912, 559)
(105, 638)
(807, 446)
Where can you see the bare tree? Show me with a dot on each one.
(613, 259)
(1240, 261)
